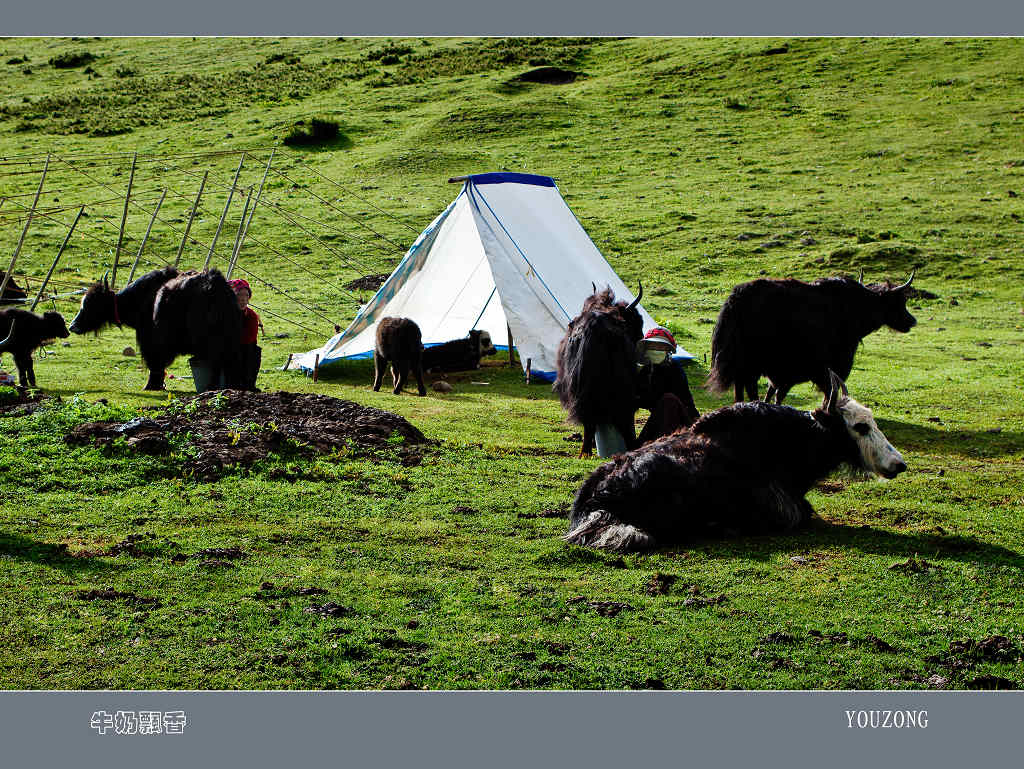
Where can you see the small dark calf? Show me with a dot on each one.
(23, 332)
(459, 354)
(399, 343)
(743, 469)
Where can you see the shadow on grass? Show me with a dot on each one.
(822, 534)
(49, 554)
(965, 443)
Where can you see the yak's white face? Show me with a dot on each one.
(879, 455)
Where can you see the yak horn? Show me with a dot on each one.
(635, 302)
(593, 285)
(906, 285)
(836, 386)
(5, 345)
(105, 284)
(861, 278)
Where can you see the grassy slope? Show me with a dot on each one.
(887, 153)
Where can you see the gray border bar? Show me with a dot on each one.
(515, 17)
(495, 729)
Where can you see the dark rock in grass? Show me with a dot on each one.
(556, 648)
(412, 624)
(528, 656)
(552, 667)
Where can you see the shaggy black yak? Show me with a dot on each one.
(743, 469)
(190, 313)
(793, 332)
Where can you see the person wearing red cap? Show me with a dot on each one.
(662, 386)
(251, 325)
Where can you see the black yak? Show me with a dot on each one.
(743, 469)
(793, 332)
(12, 292)
(459, 354)
(596, 376)
(22, 332)
(399, 342)
(173, 314)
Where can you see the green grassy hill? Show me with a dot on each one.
(694, 164)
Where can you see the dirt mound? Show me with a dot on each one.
(18, 402)
(547, 76)
(367, 282)
(227, 428)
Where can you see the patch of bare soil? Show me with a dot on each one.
(228, 428)
(109, 594)
(367, 282)
(604, 608)
(660, 584)
(22, 404)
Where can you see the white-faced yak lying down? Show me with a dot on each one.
(743, 469)
(22, 332)
(189, 313)
(793, 332)
(400, 343)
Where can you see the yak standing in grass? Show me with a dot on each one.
(173, 314)
(400, 343)
(743, 469)
(596, 377)
(23, 332)
(793, 332)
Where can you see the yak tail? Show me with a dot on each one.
(602, 530)
(725, 352)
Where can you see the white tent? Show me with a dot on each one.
(506, 251)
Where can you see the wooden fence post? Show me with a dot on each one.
(191, 216)
(124, 219)
(224, 215)
(56, 259)
(21, 240)
(135, 264)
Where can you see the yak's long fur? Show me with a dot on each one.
(398, 342)
(792, 332)
(22, 332)
(741, 469)
(596, 374)
(173, 314)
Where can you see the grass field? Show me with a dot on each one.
(694, 164)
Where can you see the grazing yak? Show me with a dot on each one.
(794, 332)
(743, 469)
(459, 354)
(399, 343)
(23, 332)
(12, 292)
(173, 314)
(596, 370)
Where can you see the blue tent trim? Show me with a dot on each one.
(511, 178)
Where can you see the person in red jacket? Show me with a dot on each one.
(251, 325)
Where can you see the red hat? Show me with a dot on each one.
(663, 333)
(238, 283)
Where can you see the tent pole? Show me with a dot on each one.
(55, 260)
(223, 216)
(238, 236)
(252, 213)
(191, 216)
(509, 344)
(124, 219)
(135, 264)
(21, 240)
